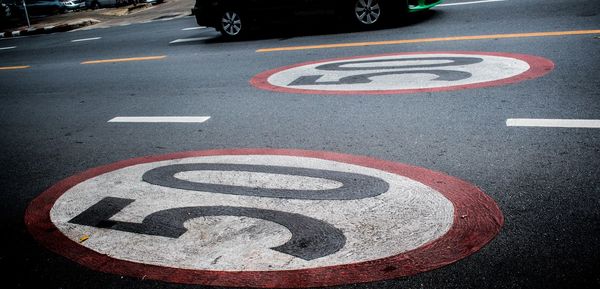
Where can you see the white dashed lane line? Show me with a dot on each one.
(567, 123)
(194, 28)
(189, 40)
(161, 119)
(7, 48)
(469, 3)
(86, 39)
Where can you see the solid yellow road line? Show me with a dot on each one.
(124, 59)
(14, 67)
(423, 40)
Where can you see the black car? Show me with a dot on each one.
(233, 17)
(37, 7)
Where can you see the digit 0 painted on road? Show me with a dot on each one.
(263, 218)
(398, 73)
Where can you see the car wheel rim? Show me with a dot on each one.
(367, 11)
(232, 23)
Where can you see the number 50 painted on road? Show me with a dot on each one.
(263, 218)
(311, 238)
(407, 72)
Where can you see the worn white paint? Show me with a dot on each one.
(159, 119)
(567, 123)
(183, 40)
(86, 39)
(194, 28)
(405, 217)
(492, 68)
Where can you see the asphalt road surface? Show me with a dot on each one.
(55, 108)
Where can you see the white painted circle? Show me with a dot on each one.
(490, 69)
(407, 216)
(404, 73)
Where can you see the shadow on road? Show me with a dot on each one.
(312, 27)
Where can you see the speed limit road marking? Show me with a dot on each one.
(398, 73)
(263, 218)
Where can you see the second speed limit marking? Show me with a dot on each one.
(263, 218)
(404, 73)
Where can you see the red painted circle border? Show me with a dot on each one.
(538, 66)
(477, 220)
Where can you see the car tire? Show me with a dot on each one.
(383, 12)
(95, 5)
(367, 13)
(232, 24)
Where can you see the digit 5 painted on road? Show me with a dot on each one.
(311, 238)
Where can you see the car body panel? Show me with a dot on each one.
(73, 4)
(40, 7)
(206, 11)
(106, 3)
(420, 5)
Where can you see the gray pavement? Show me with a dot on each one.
(545, 180)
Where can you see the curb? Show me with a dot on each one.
(50, 29)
